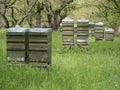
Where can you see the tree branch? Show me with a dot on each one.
(28, 13)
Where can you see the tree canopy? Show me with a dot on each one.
(49, 13)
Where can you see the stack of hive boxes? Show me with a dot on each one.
(99, 31)
(31, 46)
(82, 32)
(109, 34)
(67, 32)
(16, 45)
(92, 28)
(40, 46)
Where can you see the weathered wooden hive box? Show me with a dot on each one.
(109, 34)
(40, 44)
(82, 32)
(16, 48)
(99, 31)
(92, 28)
(67, 32)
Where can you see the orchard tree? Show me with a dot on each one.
(17, 12)
(14, 12)
(56, 10)
(107, 11)
(34, 17)
(110, 11)
(5, 5)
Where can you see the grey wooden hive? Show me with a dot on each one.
(99, 31)
(40, 45)
(16, 47)
(67, 32)
(82, 32)
(109, 34)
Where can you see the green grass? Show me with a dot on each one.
(95, 68)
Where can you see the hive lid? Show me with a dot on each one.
(40, 30)
(91, 23)
(99, 24)
(109, 30)
(83, 20)
(17, 29)
(67, 20)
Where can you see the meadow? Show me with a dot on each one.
(94, 68)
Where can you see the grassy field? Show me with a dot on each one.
(95, 68)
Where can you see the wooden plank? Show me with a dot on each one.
(68, 38)
(99, 28)
(82, 37)
(15, 33)
(16, 53)
(82, 43)
(34, 46)
(83, 24)
(39, 41)
(99, 31)
(67, 24)
(38, 57)
(82, 32)
(15, 41)
(38, 37)
(67, 28)
(16, 45)
(39, 33)
(99, 35)
(67, 43)
(67, 32)
(83, 28)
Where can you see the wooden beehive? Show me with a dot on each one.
(82, 32)
(67, 32)
(99, 31)
(92, 28)
(109, 34)
(40, 46)
(16, 47)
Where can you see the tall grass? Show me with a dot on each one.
(95, 68)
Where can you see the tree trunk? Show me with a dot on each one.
(49, 18)
(38, 20)
(56, 21)
(38, 14)
(6, 21)
(115, 27)
(29, 20)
